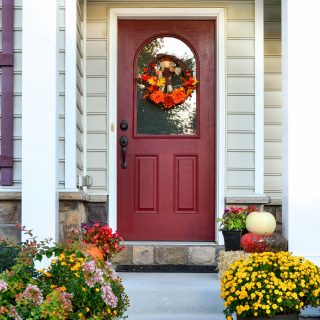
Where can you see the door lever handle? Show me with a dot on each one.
(123, 143)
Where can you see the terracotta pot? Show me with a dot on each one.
(290, 316)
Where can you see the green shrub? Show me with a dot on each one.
(8, 255)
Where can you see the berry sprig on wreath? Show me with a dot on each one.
(158, 77)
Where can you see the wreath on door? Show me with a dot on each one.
(167, 81)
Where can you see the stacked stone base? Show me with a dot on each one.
(74, 208)
(167, 254)
(10, 215)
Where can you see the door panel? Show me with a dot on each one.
(186, 183)
(147, 184)
(167, 192)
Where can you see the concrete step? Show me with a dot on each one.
(173, 296)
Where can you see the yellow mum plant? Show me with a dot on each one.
(268, 283)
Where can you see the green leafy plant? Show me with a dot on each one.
(8, 255)
(235, 218)
(78, 283)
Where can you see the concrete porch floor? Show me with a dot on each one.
(178, 296)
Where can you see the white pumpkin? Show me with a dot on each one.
(262, 223)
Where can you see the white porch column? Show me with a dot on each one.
(301, 69)
(71, 95)
(40, 117)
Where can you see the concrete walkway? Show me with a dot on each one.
(173, 296)
(179, 296)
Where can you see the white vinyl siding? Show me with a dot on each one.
(80, 93)
(240, 110)
(97, 96)
(272, 98)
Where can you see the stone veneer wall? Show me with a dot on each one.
(10, 216)
(74, 212)
(276, 210)
(74, 208)
(71, 214)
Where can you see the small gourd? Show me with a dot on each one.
(261, 223)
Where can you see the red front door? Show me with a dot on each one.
(166, 172)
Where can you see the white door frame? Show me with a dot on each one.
(165, 14)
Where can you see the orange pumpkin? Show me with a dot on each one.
(93, 251)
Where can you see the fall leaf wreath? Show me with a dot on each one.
(167, 81)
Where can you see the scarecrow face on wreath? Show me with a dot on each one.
(167, 71)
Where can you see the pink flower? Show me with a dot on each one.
(15, 314)
(34, 294)
(98, 276)
(108, 296)
(113, 275)
(90, 266)
(3, 285)
(66, 300)
(90, 282)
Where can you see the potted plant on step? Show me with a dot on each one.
(233, 226)
(270, 285)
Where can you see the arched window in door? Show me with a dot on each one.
(166, 91)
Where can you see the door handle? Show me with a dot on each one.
(123, 143)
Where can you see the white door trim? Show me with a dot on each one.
(165, 13)
(71, 96)
(259, 98)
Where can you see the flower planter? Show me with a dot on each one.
(290, 316)
(299, 272)
(232, 239)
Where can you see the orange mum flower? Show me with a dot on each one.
(157, 96)
(168, 101)
(178, 95)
